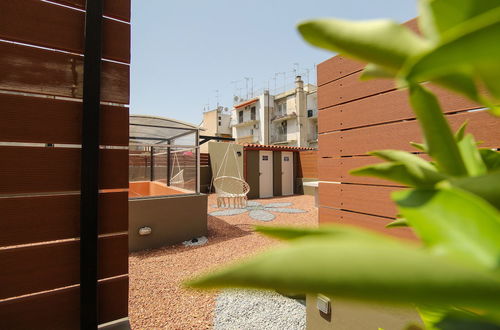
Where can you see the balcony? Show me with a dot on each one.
(282, 138)
(247, 139)
(244, 123)
(282, 117)
(313, 137)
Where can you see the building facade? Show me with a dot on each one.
(289, 118)
(216, 122)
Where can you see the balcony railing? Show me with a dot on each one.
(313, 137)
(247, 122)
(283, 116)
(278, 137)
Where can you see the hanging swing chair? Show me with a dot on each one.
(178, 178)
(231, 191)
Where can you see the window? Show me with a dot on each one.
(240, 117)
(309, 113)
(220, 118)
(252, 113)
(284, 126)
(265, 157)
(281, 109)
(219, 123)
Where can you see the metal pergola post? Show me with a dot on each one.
(197, 163)
(168, 163)
(89, 197)
(152, 164)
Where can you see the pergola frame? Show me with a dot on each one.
(152, 133)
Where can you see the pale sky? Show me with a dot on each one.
(187, 55)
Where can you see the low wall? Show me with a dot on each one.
(172, 219)
(308, 190)
(348, 315)
(205, 178)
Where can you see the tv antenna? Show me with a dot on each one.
(217, 97)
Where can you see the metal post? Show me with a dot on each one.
(152, 164)
(197, 162)
(90, 166)
(168, 163)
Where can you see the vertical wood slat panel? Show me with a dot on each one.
(50, 266)
(383, 108)
(399, 135)
(337, 169)
(373, 200)
(308, 164)
(336, 68)
(119, 9)
(48, 25)
(329, 194)
(373, 223)
(34, 70)
(61, 309)
(41, 71)
(351, 88)
(46, 218)
(39, 170)
(48, 120)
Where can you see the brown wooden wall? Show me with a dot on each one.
(308, 164)
(41, 76)
(357, 117)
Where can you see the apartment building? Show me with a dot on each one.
(216, 122)
(289, 118)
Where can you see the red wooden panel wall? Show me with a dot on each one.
(356, 117)
(308, 164)
(41, 75)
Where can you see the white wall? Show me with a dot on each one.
(225, 127)
(244, 131)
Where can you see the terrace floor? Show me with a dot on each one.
(157, 299)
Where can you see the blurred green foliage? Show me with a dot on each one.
(453, 201)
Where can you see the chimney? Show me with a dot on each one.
(299, 84)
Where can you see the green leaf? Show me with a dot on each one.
(401, 222)
(453, 222)
(491, 159)
(373, 71)
(292, 233)
(471, 156)
(439, 139)
(485, 186)
(472, 48)
(401, 156)
(455, 319)
(383, 42)
(369, 270)
(439, 16)
(419, 146)
(407, 174)
(459, 134)
(460, 83)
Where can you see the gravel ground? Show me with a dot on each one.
(258, 310)
(157, 299)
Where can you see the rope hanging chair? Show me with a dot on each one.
(178, 178)
(231, 191)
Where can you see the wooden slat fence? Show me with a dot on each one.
(308, 164)
(356, 117)
(41, 60)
